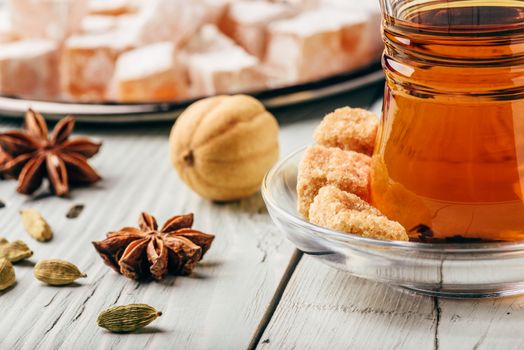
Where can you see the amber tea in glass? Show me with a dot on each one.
(449, 158)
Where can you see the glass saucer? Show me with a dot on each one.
(452, 270)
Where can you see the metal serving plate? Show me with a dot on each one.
(11, 107)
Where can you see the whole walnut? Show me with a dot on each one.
(223, 146)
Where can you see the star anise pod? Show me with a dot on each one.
(141, 253)
(4, 158)
(33, 155)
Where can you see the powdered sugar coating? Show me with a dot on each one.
(96, 24)
(87, 66)
(146, 60)
(150, 73)
(49, 19)
(28, 68)
(246, 22)
(315, 44)
(7, 33)
(208, 39)
(112, 7)
(257, 11)
(167, 20)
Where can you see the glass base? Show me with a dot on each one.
(448, 270)
(464, 294)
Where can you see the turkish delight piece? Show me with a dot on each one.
(246, 22)
(112, 7)
(208, 39)
(303, 4)
(88, 63)
(51, 19)
(314, 44)
(7, 34)
(215, 10)
(339, 210)
(96, 24)
(167, 20)
(350, 129)
(369, 45)
(29, 69)
(322, 166)
(225, 71)
(151, 73)
(216, 64)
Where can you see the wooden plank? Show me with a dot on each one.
(219, 306)
(323, 308)
(481, 324)
(225, 304)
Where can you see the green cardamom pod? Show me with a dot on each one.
(127, 318)
(36, 225)
(7, 274)
(57, 272)
(14, 251)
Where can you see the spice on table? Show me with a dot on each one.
(4, 158)
(37, 155)
(14, 251)
(57, 272)
(75, 211)
(7, 274)
(127, 318)
(36, 225)
(152, 252)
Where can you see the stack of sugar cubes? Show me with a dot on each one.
(163, 50)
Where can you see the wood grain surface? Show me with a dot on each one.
(223, 305)
(329, 309)
(253, 290)
(219, 306)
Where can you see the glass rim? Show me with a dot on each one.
(351, 239)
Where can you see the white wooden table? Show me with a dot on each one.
(253, 290)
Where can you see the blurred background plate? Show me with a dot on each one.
(12, 107)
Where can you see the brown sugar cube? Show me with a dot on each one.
(350, 129)
(322, 166)
(29, 69)
(342, 211)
